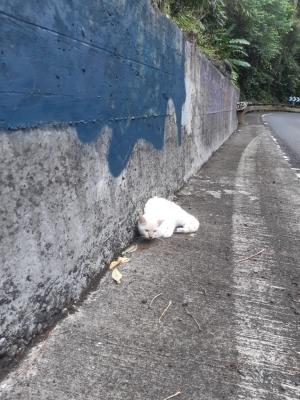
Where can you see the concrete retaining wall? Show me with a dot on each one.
(102, 105)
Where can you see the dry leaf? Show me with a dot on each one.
(130, 249)
(120, 260)
(116, 275)
(114, 264)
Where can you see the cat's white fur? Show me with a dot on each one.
(162, 218)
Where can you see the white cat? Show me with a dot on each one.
(162, 217)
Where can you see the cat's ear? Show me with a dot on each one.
(160, 221)
(142, 220)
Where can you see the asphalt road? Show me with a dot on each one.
(286, 128)
(208, 316)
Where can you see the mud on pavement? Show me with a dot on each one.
(212, 315)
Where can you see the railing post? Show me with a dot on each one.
(240, 109)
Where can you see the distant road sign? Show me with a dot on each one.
(241, 105)
(294, 99)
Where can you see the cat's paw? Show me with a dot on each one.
(180, 229)
(167, 234)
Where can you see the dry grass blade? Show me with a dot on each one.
(253, 255)
(173, 395)
(165, 310)
(130, 249)
(155, 297)
(196, 322)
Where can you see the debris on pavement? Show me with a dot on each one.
(191, 315)
(165, 310)
(155, 297)
(173, 395)
(116, 275)
(253, 255)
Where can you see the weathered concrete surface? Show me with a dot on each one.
(118, 108)
(247, 200)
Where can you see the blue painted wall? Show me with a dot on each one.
(90, 64)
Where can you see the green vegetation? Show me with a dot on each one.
(258, 41)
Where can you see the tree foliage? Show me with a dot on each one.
(258, 40)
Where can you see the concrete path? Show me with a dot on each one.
(230, 331)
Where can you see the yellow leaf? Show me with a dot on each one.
(118, 261)
(114, 264)
(116, 275)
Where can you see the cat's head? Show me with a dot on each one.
(148, 227)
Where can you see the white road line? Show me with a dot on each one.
(286, 157)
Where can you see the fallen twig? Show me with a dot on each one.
(165, 310)
(253, 255)
(130, 249)
(155, 297)
(196, 322)
(173, 395)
